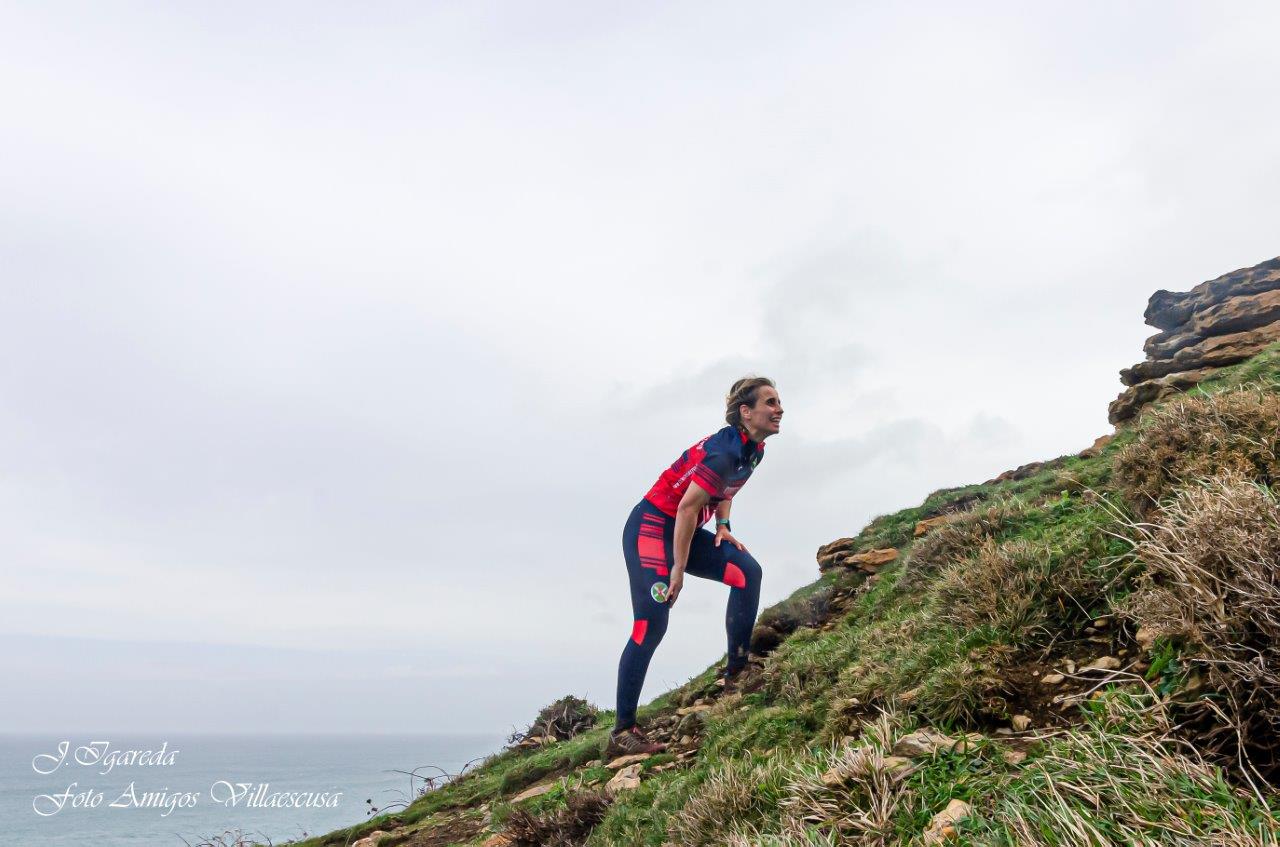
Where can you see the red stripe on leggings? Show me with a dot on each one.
(734, 576)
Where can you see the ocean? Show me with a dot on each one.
(171, 790)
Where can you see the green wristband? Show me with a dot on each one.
(724, 522)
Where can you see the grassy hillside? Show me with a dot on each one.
(1093, 648)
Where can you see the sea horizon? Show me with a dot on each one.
(131, 789)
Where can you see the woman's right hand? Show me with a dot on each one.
(673, 587)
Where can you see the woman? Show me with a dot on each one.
(663, 540)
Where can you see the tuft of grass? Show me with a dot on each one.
(1120, 778)
(1210, 586)
(1198, 435)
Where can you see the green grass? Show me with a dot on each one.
(930, 640)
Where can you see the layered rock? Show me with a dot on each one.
(1217, 323)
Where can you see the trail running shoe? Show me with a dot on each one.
(727, 683)
(631, 740)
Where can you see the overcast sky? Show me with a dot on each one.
(337, 341)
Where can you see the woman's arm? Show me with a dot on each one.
(686, 522)
(722, 532)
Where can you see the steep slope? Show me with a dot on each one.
(1081, 651)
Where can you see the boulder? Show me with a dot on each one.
(1216, 351)
(1169, 309)
(840, 545)
(1134, 398)
(1237, 313)
(372, 839)
(1218, 323)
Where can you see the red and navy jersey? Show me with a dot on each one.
(720, 464)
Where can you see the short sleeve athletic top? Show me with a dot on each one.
(720, 464)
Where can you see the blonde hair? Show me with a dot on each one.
(743, 391)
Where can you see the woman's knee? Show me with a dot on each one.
(647, 631)
(742, 570)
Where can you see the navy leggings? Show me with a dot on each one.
(647, 545)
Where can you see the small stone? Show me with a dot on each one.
(1146, 637)
(1104, 663)
(1052, 678)
(942, 827)
(594, 763)
(624, 780)
(700, 706)
(499, 840)
(927, 524)
(372, 839)
(1102, 623)
(897, 764)
(926, 742)
(1013, 757)
(1071, 666)
(1020, 723)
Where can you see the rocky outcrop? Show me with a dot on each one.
(1217, 323)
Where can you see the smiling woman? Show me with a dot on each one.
(663, 539)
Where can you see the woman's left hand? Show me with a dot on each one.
(722, 533)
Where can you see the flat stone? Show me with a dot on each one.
(1104, 663)
(630, 758)
(871, 560)
(927, 524)
(1020, 723)
(624, 780)
(535, 791)
(1013, 757)
(1052, 678)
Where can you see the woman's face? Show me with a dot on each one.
(766, 415)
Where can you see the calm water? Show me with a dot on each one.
(348, 769)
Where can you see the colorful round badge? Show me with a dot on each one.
(659, 592)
